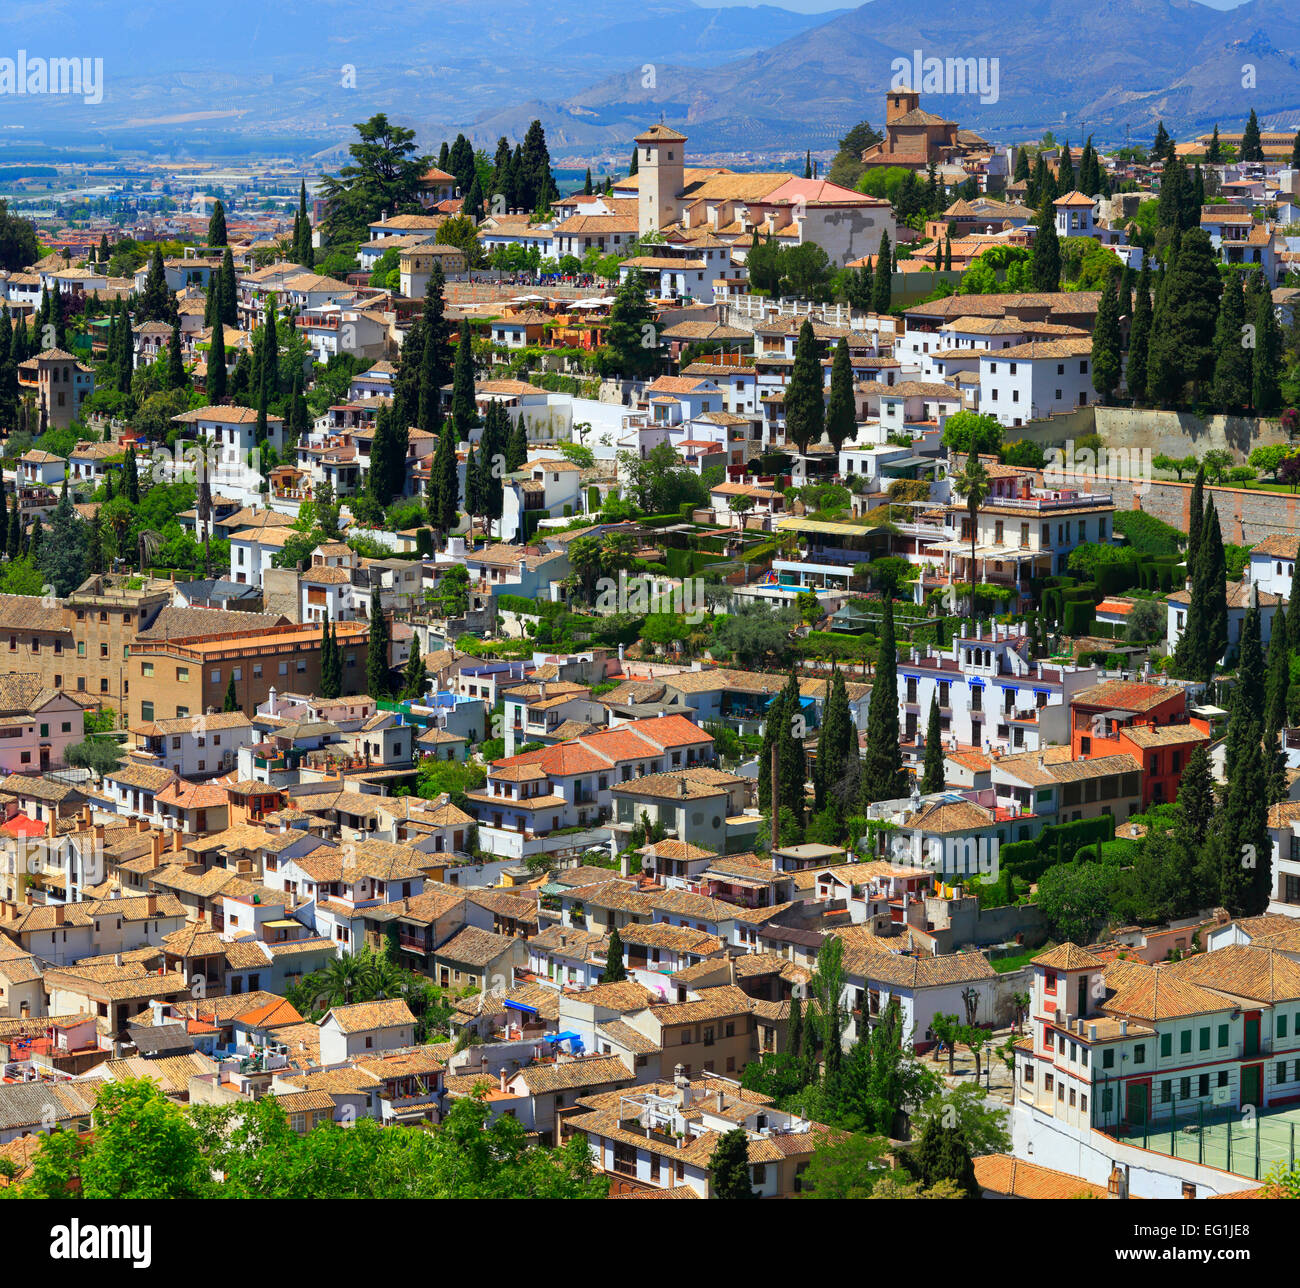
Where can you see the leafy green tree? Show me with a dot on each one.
(968, 431)
(62, 558)
(383, 176)
(846, 1167)
(1075, 899)
(633, 349)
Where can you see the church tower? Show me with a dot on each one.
(661, 178)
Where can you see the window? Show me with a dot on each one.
(182, 675)
(146, 669)
(1185, 1042)
(1223, 1034)
(1203, 1042)
(1140, 1053)
(1166, 1045)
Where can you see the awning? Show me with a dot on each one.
(521, 1006)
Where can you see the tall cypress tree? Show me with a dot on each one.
(377, 655)
(1045, 265)
(773, 720)
(435, 357)
(805, 407)
(1248, 694)
(1230, 387)
(217, 225)
(933, 778)
(1266, 392)
(841, 415)
(445, 481)
(1106, 357)
(462, 386)
(882, 290)
(1195, 520)
(229, 298)
(791, 763)
(1252, 147)
(176, 377)
(883, 775)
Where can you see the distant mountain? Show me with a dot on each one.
(261, 69)
(1075, 69)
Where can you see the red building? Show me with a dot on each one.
(1146, 721)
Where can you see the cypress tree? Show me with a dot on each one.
(1266, 392)
(436, 360)
(462, 388)
(1230, 387)
(729, 1167)
(792, 765)
(445, 481)
(835, 767)
(1279, 671)
(1252, 148)
(229, 297)
(1195, 520)
(377, 655)
(882, 289)
(176, 378)
(933, 778)
(217, 225)
(131, 479)
(516, 444)
(1214, 153)
(883, 775)
(615, 971)
(631, 170)
(1021, 174)
(1106, 357)
(942, 1154)
(1045, 265)
(1248, 694)
(232, 698)
(1065, 170)
(805, 407)
(841, 417)
(14, 545)
(153, 305)
(1160, 144)
(1214, 568)
(493, 464)
(773, 720)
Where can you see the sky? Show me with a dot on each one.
(822, 6)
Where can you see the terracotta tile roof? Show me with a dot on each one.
(1013, 1177)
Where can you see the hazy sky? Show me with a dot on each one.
(820, 6)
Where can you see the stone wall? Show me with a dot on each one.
(1171, 433)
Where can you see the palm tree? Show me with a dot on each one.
(384, 978)
(149, 542)
(342, 981)
(973, 483)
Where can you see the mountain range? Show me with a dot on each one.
(295, 75)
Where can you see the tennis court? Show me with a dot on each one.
(1249, 1142)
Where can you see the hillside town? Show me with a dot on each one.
(713, 684)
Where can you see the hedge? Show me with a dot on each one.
(1057, 843)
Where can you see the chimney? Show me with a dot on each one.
(1123, 1028)
(25, 1010)
(624, 866)
(98, 829)
(51, 825)
(117, 959)
(1092, 1032)
(58, 914)
(156, 845)
(178, 841)
(501, 1075)
(151, 904)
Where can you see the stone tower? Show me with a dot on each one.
(661, 177)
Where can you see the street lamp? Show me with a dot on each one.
(988, 1066)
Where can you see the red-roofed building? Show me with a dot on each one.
(566, 787)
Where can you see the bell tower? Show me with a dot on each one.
(661, 176)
